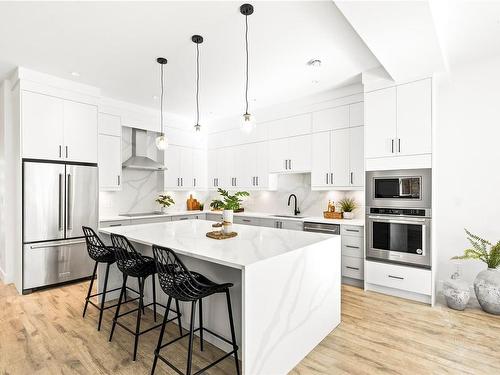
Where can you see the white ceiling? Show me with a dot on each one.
(400, 34)
(468, 31)
(114, 46)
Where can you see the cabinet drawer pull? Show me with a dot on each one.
(66, 152)
(352, 230)
(392, 146)
(352, 247)
(183, 218)
(352, 179)
(60, 151)
(115, 225)
(399, 144)
(246, 220)
(352, 268)
(331, 178)
(118, 180)
(396, 277)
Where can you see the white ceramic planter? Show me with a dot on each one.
(227, 221)
(348, 215)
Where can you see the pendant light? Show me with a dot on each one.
(161, 140)
(197, 39)
(248, 121)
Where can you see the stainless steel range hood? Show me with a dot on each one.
(139, 158)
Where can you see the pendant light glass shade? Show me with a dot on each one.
(161, 141)
(248, 122)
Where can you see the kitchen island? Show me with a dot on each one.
(286, 294)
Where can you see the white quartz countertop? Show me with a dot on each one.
(314, 219)
(253, 244)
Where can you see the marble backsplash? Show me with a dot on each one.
(140, 189)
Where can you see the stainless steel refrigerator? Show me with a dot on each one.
(58, 198)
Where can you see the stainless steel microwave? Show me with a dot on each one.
(409, 188)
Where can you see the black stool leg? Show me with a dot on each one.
(142, 281)
(201, 324)
(154, 296)
(138, 323)
(90, 289)
(233, 336)
(160, 339)
(178, 316)
(191, 336)
(103, 296)
(117, 312)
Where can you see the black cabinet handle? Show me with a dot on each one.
(352, 230)
(352, 268)
(352, 247)
(115, 225)
(396, 277)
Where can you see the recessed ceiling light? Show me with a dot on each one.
(75, 74)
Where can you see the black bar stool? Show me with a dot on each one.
(181, 284)
(100, 253)
(133, 264)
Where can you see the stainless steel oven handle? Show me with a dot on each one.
(398, 221)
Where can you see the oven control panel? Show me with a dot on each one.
(398, 211)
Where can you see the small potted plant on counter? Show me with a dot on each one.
(487, 282)
(230, 204)
(347, 206)
(165, 201)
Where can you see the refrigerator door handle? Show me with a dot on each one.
(69, 198)
(61, 201)
(59, 244)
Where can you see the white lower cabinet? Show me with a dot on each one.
(255, 221)
(149, 220)
(213, 216)
(353, 252)
(410, 279)
(282, 224)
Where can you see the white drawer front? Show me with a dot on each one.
(246, 220)
(353, 246)
(352, 230)
(149, 220)
(214, 217)
(115, 223)
(399, 277)
(352, 267)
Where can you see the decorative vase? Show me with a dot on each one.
(227, 221)
(348, 215)
(457, 294)
(487, 288)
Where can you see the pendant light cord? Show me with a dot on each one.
(246, 48)
(161, 99)
(197, 84)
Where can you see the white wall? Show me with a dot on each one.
(3, 91)
(466, 162)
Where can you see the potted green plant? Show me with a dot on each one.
(347, 206)
(165, 201)
(487, 282)
(229, 203)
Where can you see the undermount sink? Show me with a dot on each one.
(289, 216)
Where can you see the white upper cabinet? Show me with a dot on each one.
(58, 129)
(80, 132)
(356, 114)
(110, 162)
(199, 169)
(320, 159)
(330, 119)
(110, 124)
(173, 164)
(42, 126)
(340, 157)
(109, 152)
(356, 157)
(398, 120)
(290, 154)
(380, 122)
(290, 127)
(414, 117)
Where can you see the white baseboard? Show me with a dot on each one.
(399, 293)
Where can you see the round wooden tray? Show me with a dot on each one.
(218, 235)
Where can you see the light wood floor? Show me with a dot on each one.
(44, 333)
